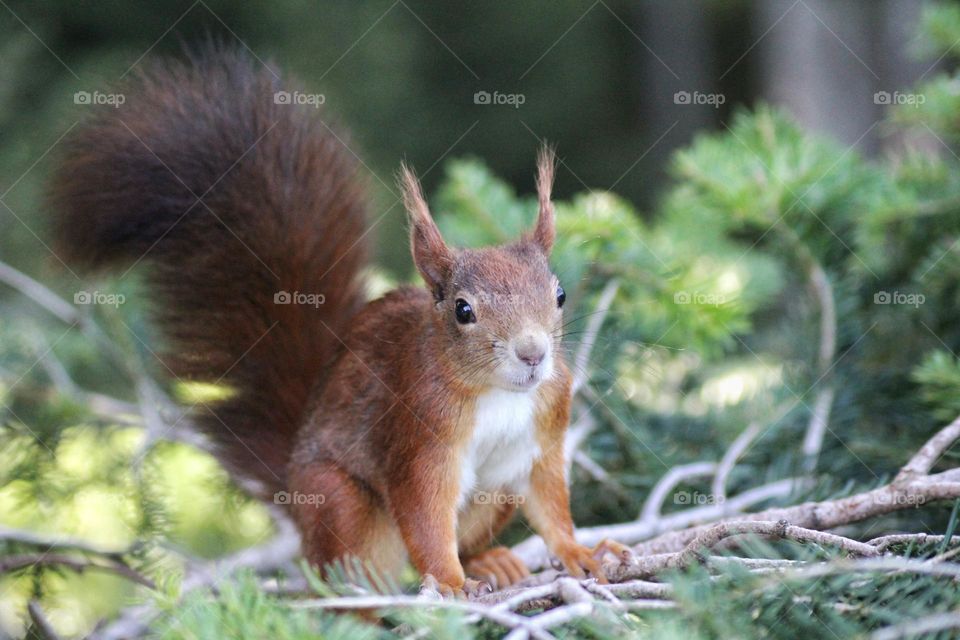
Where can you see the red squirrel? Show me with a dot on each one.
(408, 427)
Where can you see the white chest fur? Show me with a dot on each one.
(500, 453)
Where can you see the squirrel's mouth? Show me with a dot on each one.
(526, 381)
(514, 376)
(529, 382)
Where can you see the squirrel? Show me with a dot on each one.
(410, 427)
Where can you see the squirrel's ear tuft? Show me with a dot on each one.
(431, 255)
(545, 231)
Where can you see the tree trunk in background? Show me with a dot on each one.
(679, 34)
(824, 61)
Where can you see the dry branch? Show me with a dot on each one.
(911, 487)
(668, 482)
(41, 626)
(915, 628)
(908, 490)
(730, 457)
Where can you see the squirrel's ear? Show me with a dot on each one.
(545, 231)
(431, 254)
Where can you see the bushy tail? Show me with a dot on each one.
(248, 214)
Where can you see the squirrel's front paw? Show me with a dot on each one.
(432, 588)
(613, 556)
(579, 561)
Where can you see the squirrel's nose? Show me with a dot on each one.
(531, 350)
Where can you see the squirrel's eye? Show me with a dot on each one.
(561, 296)
(464, 312)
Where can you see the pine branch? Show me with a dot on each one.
(25, 561)
(271, 556)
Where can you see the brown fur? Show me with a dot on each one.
(375, 449)
(281, 210)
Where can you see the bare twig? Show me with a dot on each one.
(868, 565)
(820, 283)
(524, 598)
(730, 457)
(909, 489)
(533, 552)
(669, 482)
(929, 454)
(882, 543)
(819, 419)
(40, 294)
(697, 550)
(41, 625)
(582, 359)
(817, 428)
(915, 628)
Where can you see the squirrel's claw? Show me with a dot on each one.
(498, 566)
(433, 589)
(579, 561)
(620, 551)
(476, 588)
(612, 555)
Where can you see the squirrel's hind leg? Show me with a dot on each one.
(497, 566)
(477, 527)
(339, 518)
